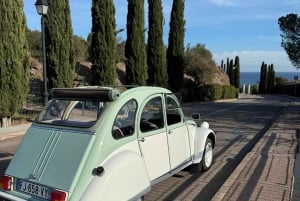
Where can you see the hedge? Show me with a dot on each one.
(208, 92)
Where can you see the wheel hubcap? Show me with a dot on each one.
(208, 155)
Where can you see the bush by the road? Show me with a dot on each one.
(219, 92)
(192, 92)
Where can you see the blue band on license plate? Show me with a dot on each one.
(33, 189)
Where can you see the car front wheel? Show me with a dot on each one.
(207, 158)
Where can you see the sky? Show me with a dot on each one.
(228, 28)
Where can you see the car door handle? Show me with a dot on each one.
(170, 132)
(142, 139)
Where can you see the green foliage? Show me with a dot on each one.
(230, 92)
(271, 78)
(263, 78)
(175, 51)
(254, 89)
(233, 71)
(103, 42)
(199, 64)
(215, 92)
(135, 49)
(267, 78)
(222, 66)
(14, 57)
(212, 92)
(59, 44)
(156, 54)
(237, 72)
(190, 91)
(227, 66)
(35, 44)
(290, 33)
(219, 92)
(280, 80)
(121, 50)
(80, 48)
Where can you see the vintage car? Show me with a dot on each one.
(105, 143)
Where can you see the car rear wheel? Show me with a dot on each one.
(207, 158)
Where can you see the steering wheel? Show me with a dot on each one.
(117, 132)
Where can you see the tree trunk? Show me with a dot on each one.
(5, 122)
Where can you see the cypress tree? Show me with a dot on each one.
(263, 84)
(261, 79)
(14, 59)
(227, 66)
(237, 72)
(231, 73)
(175, 51)
(222, 65)
(156, 55)
(271, 77)
(103, 47)
(59, 44)
(135, 49)
(265, 87)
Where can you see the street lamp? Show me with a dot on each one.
(42, 8)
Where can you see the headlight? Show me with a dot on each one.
(204, 125)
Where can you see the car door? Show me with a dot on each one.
(153, 138)
(177, 133)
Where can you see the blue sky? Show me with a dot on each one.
(228, 28)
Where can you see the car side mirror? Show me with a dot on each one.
(196, 116)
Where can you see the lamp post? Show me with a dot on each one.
(42, 8)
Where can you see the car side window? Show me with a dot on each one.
(173, 111)
(124, 122)
(152, 115)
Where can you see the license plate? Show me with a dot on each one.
(33, 189)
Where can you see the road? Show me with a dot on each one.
(8, 146)
(238, 124)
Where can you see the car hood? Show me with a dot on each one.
(52, 157)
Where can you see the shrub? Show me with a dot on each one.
(230, 92)
(218, 92)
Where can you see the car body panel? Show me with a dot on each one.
(120, 179)
(54, 158)
(179, 145)
(201, 134)
(157, 160)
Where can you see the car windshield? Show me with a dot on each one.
(76, 113)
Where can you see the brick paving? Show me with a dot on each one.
(267, 172)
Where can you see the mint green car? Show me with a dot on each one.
(105, 143)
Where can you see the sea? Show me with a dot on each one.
(252, 78)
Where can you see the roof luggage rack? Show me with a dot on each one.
(104, 94)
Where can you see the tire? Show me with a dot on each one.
(141, 199)
(208, 157)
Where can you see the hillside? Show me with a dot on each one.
(83, 70)
(84, 76)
